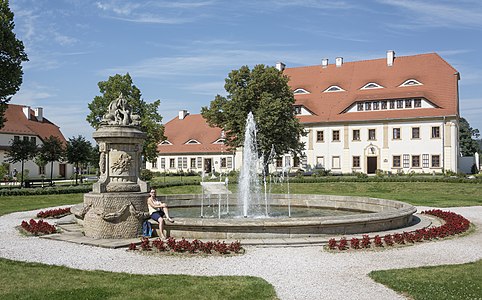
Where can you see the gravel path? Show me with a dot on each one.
(296, 273)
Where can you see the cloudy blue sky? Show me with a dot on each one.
(181, 51)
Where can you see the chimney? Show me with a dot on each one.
(182, 114)
(339, 61)
(39, 114)
(390, 57)
(280, 66)
(26, 111)
(324, 62)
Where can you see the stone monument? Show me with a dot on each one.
(117, 205)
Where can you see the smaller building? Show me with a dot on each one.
(23, 122)
(192, 146)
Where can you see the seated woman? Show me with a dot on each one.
(158, 210)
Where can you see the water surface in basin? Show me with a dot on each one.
(275, 212)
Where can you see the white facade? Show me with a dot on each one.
(198, 163)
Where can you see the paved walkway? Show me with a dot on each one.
(295, 272)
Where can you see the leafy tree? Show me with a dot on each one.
(468, 145)
(150, 118)
(52, 150)
(11, 57)
(20, 151)
(264, 91)
(78, 153)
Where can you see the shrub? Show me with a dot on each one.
(146, 175)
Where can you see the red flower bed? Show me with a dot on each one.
(454, 224)
(183, 245)
(37, 228)
(54, 213)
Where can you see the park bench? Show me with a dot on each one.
(31, 183)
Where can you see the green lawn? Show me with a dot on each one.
(9, 204)
(438, 283)
(19, 280)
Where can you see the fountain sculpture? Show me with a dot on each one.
(117, 206)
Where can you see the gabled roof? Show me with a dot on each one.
(18, 124)
(191, 127)
(440, 86)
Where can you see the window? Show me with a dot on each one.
(356, 134)
(335, 162)
(296, 162)
(297, 109)
(166, 142)
(41, 170)
(320, 162)
(435, 161)
(154, 164)
(172, 163)
(417, 102)
(384, 104)
(33, 139)
(287, 161)
(406, 161)
(372, 85)
(16, 138)
(425, 158)
(300, 91)
(376, 105)
(179, 162)
(368, 106)
(26, 138)
(334, 88)
(230, 163)
(435, 132)
(320, 136)
(356, 161)
(219, 141)
(192, 142)
(199, 162)
(372, 134)
(396, 161)
(415, 132)
(359, 106)
(336, 135)
(399, 103)
(163, 163)
(396, 133)
(279, 162)
(411, 82)
(408, 103)
(184, 162)
(193, 163)
(415, 161)
(223, 162)
(392, 104)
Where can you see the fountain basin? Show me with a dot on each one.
(378, 215)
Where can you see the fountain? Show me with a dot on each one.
(346, 215)
(116, 207)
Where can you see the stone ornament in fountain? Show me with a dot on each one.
(117, 205)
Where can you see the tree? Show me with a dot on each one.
(78, 153)
(150, 118)
(264, 91)
(20, 151)
(52, 150)
(11, 57)
(468, 145)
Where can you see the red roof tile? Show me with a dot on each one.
(438, 78)
(192, 127)
(18, 124)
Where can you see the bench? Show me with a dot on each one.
(31, 183)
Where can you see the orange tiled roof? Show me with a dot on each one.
(192, 127)
(18, 124)
(439, 86)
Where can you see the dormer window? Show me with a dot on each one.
(297, 109)
(300, 91)
(411, 82)
(166, 142)
(334, 88)
(192, 142)
(219, 141)
(371, 85)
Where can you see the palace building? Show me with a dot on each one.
(392, 114)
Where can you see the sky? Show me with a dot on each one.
(180, 52)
